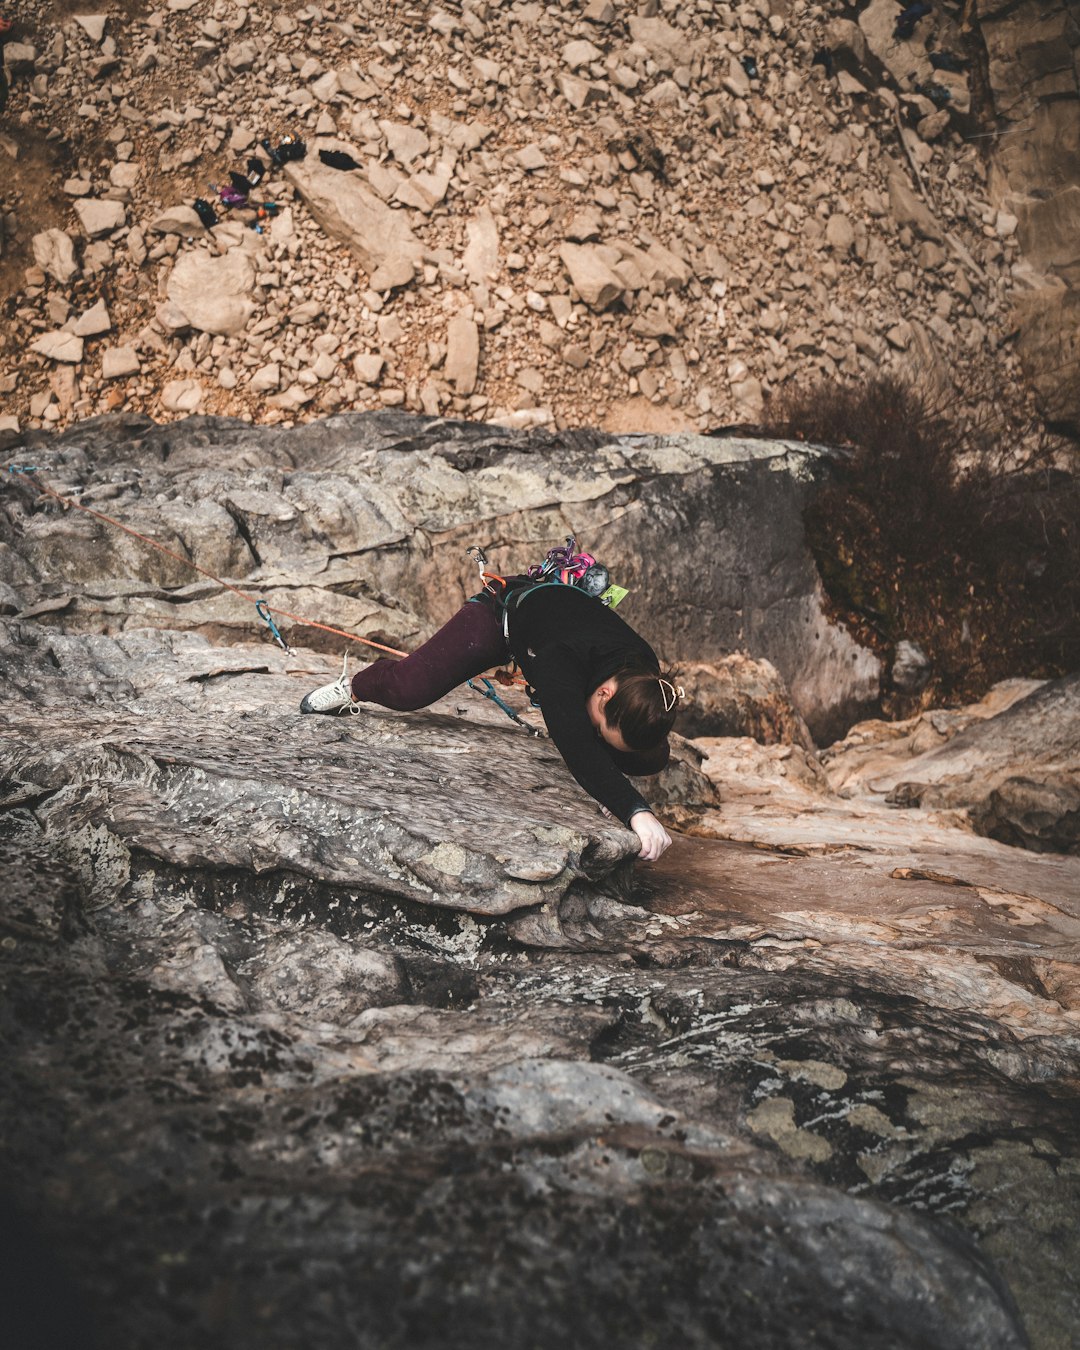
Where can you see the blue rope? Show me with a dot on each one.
(263, 611)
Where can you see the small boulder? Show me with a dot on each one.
(481, 257)
(911, 667)
(117, 363)
(1026, 813)
(395, 272)
(181, 220)
(94, 322)
(462, 354)
(93, 25)
(19, 58)
(840, 233)
(593, 278)
(579, 53)
(100, 217)
(266, 379)
(405, 143)
(182, 396)
(59, 346)
(368, 367)
(54, 253)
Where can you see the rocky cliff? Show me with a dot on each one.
(371, 1030)
(362, 522)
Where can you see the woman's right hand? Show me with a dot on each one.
(654, 838)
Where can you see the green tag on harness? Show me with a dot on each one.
(614, 595)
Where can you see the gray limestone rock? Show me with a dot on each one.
(119, 363)
(705, 532)
(99, 217)
(93, 322)
(1041, 815)
(462, 353)
(910, 668)
(59, 346)
(481, 257)
(1036, 739)
(181, 220)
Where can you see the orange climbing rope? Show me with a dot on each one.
(260, 605)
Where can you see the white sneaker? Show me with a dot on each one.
(332, 698)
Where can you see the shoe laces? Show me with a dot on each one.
(345, 685)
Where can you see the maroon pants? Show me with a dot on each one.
(470, 643)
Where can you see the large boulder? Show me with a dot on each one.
(214, 294)
(348, 209)
(1016, 773)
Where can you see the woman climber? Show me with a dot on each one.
(607, 706)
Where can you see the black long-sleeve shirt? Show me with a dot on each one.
(567, 644)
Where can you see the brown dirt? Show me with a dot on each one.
(31, 186)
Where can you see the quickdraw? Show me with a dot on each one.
(489, 692)
(263, 611)
(571, 568)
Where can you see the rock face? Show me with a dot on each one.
(392, 1042)
(1049, 347)
(372, 1022)
(356, 520)
(1017, 774)
(1034, 91)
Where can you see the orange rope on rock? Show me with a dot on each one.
(67, 501)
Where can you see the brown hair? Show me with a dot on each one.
(636, 709)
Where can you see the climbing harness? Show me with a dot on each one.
(563, 566)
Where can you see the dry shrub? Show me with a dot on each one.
(958, 532)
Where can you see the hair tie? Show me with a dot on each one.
(677, 693)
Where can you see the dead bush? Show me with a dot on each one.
(960, 533)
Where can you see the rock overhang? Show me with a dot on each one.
(458, 818)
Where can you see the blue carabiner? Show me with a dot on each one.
(490, 693)
(263, 611)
